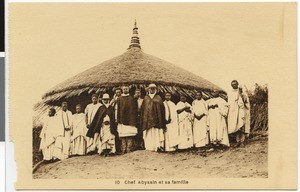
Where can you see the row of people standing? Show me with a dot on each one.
(127, 122)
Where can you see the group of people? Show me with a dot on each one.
(125, 123)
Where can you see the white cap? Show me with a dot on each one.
(152, 85)
(105, 96)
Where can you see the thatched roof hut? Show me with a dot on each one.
(135, 68)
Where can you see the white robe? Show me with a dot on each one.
(185, 127)
(199, 107)
(153, 138)
(217, 122)
(171, 134)
(48, 137)
(236, 111)
(63, 141)
(78, 138)
(90, 111)
(107, 139)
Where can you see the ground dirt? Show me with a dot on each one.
(249, 162)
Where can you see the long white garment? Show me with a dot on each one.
(171, 133)
(107, 139)
(90, 112)
(217, 122)
(199, 107)
(48, 137)
(126, 130)
(236, 111)
(153, 138)
(62, 142)
(185, 127)
(78, 138)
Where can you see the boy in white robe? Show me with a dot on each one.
(184, 123)
(171, 133)
(107, 139)
(90, 112)
(47, 136)
(200, 128)
(63, 141)
(78, 138)
(217, 112)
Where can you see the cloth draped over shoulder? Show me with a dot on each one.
(90, 111)
(153, 113)
(96, 124)
(50, 131)
(239, 112)
(127, 110)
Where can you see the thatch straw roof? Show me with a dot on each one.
(135, 68)
(132, 67)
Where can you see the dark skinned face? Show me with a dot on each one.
(152, 90)
(183, 99)
(78, 109)
(125, 90)
(234, 85)
(137, 93)
(105, 101)
(118, 93)
(198, 96)
(64, 107)
(94, 100)
(168, 97)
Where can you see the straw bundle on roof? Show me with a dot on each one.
(134, 68)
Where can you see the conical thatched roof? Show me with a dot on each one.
(134, 67)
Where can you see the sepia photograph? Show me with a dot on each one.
(147, 94)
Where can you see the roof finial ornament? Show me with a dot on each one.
(135, 40)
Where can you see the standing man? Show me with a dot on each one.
(238, 107)
(127, 116)
(90, 112)
(48, 135)
(200, 128)
(153, 120)
(95, 126)
(217, 113)
(78, 138)
(171, 134)
(115, 99)
(139, 137)
(184, 123)
(62, 143)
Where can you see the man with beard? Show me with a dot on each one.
(153, 121)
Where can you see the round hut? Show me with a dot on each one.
(134, 68)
